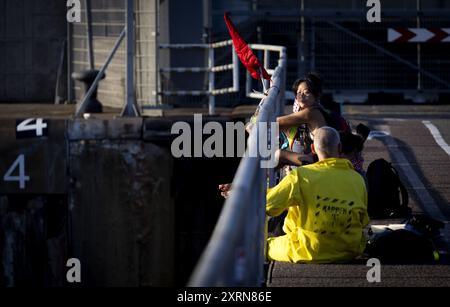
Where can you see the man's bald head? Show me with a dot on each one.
(326, 142)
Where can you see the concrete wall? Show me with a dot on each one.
(31, 34)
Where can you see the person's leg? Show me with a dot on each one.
(275, 225)
(278, 249)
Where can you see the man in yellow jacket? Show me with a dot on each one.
(327, 208)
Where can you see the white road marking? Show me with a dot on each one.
(427, 202)
(437, 136)
(377, 134)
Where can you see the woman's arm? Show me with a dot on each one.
(294, 119)
(287, 157)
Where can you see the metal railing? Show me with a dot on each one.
(214, 68)
(267, 49)
(234, 255)
(354, 56)
(210, 70)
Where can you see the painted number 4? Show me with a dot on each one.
(20, 162)
(26, 125)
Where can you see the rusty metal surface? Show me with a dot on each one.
(96, 129)
(122, 212)
(33, 240)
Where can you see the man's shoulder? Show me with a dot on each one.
(343, 166)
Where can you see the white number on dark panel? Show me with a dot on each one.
(21, 178)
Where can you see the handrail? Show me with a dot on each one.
(266, 48)
(234, 255)
(211, 69)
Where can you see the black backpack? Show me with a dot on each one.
(388, 197)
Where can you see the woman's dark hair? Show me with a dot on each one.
(350, 142)
(363, 131)
(313, 82)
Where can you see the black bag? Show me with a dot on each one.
(425, 225)
(388, 197)
(402, 246)
(415, 243)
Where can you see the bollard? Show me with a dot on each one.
(88, 77)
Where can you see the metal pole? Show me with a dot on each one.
(69, 62)
(248, 83)
(313, 44)
(130, 108)
(235, 70)
(419, 64)
(207, 25)
(262, 80)
(266, 66)
(207, 21)
(80, 109)
(60, 71)
(87, 4)
(301, 43)
(157, 56)
(212, 98)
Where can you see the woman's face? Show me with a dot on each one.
(304, 97)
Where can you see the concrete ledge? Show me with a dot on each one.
(354, 275)
(96, 129)
(157, 129)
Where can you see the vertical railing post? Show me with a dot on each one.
(248, 82)
(130, 108)
(69, 62)
(235, 70)
(266, 65)
(212, 98)
(89, 34)
(157, 57)
(419, 64)
(313, 45)
(301, 42)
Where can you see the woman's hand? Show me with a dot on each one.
(225, 189)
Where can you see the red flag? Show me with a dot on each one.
(244, 52)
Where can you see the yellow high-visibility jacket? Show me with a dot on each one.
(327, 213)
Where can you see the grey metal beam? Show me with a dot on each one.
(130, 108)
(69, 62)
(334, 13)
(87, 4)
(91, 90)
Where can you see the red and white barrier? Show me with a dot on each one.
(419, 35)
